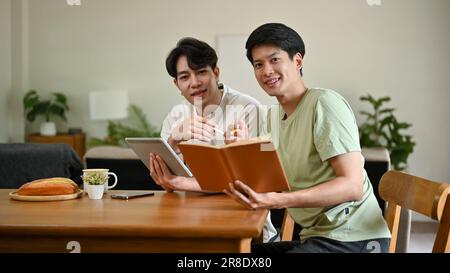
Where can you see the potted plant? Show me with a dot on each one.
(94, 182)
(55, 106)
(382, 129)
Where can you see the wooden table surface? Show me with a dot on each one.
(166, 222)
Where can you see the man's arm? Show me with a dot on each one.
(347, 186)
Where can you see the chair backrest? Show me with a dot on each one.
(401, 190)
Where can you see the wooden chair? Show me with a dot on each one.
(287, 227)
(427, 197)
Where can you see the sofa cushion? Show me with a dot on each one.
(24, 162)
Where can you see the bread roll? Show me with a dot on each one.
(49, 186)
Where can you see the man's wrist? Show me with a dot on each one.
(281, 200)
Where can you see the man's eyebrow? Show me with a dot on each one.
(183, 72)
(270, 56)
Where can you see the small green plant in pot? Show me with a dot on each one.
(382, 129)
(55, 106)
(95, 178)
(94, 182)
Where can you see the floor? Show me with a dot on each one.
(422, 236)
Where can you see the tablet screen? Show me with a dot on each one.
(144, 146)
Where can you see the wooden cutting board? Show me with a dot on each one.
(31, 198)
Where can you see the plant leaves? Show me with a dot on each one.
(387, 110)
(384, 99)
(30, 99)
(61, 100)
(57, 111)
(34, 107)
(369, 115)
(385, 132)
(403, 125)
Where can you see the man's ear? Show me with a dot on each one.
(175, 82)
(216, 72)
(298, 60)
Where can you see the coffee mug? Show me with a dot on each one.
(101, 175)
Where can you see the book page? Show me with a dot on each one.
(257, 166)
(208, 166)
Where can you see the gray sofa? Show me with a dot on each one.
(24, 162)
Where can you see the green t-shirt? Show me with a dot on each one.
(321, 127)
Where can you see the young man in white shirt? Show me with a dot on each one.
(211, 112)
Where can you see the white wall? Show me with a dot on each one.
(5, 66)
(19, 68)
(399, 49)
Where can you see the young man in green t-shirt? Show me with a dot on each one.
(316, 135)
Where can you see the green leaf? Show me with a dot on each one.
(387, 110)
(385, 132)
(369, 98)
(386, 121)
(384, 99)
(61, 100)
(377, 103)
(369, 115)
(31, 116)
(403, 125)
(364, 98)
(30, 99)
(57, 111)
(34, 106)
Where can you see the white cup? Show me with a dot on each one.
(104, 174)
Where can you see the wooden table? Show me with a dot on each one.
(166, 222)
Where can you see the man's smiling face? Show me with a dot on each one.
(196, 84)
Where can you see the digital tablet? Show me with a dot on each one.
(143, 146)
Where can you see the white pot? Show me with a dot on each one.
(95, 191)
(48, 129)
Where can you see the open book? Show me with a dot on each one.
(254, 162)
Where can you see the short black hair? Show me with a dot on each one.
(198, 53)
(276, 34)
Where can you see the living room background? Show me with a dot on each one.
(398, 49)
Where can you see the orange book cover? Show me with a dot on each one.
(254, 162)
